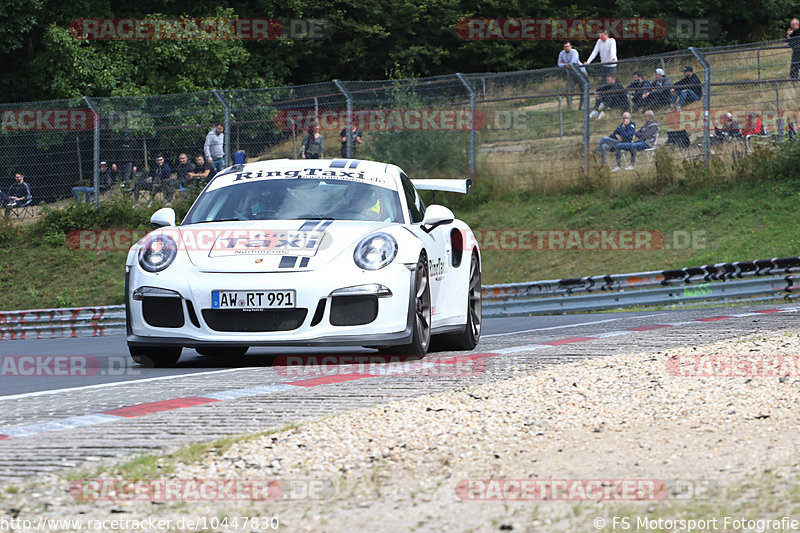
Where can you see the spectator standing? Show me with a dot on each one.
(313, 144)
(610, 95)
(18, 193)
(569, 56)
(644, 138)
(355, 139)
(214, 147)
(623, 134)
(659, 92)
(636, 90)
(687, 90)
(793, 41)
(127, 151)
(606, 47)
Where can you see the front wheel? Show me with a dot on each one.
(155, 356)
(421, 328)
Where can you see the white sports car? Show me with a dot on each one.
(305, 252)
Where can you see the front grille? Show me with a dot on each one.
(353, 310)
(163, 312)
(267, 320)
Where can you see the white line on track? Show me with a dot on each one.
(117, 383)
(570, 325)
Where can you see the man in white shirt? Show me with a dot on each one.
(607, 48)
(566, 57)
(214, 147)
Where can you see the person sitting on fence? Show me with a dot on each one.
(646, 138)
(202, 172)
(687, 90)
(106, 179)
(636, 90)
(727, 130)
(312, 147)
(610, 95)
(659, 93)
(753, 125)
(623, 134)
(18, 194)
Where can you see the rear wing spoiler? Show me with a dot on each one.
(462, 186)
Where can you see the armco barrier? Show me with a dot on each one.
(764, 279)
(721, 282)
(69, 322)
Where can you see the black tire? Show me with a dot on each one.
(155, 356)
(467, 339)
(421, 328)
(222, 351)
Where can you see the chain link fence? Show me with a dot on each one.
(535, 129)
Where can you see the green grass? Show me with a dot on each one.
(726, 221)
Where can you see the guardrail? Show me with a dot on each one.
(68, 322)
(723, 282)
(764, 279)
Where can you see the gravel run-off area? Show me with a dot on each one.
(715, 424)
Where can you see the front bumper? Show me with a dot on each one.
(391, 326)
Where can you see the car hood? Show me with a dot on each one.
(271, 245)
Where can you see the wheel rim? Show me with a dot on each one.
(475, 298)
(422, 304)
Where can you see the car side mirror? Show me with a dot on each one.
(436, 215)
(163, 217)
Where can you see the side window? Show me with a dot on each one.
(416, 208)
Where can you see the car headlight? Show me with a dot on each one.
(157, 253)
(375, 251)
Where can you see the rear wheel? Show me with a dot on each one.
(222, 351)
(155, 356)
(421, 328)
(467, 339)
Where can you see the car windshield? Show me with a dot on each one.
(291, 199)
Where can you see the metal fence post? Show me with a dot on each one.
(706, 100)
(349, 120)
(779, 120)
(227, 139)
(587, 96)
(472, 110)
(96, 164)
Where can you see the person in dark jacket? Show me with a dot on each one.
(687, 90)
(623, 134)
(18, 193)
(636, 90)
(610, 95)
(127, 151)
(793, 41)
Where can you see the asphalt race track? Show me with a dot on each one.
(89, 402)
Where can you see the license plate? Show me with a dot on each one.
(268, 299)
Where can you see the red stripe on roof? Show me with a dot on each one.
(156, 407)
(4, 437)
(768, 311)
